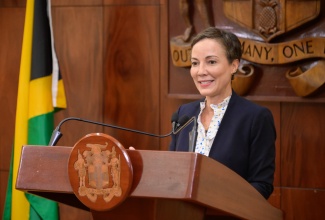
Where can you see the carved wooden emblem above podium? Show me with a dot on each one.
(269, 52)
(100, 171)
(270, 18)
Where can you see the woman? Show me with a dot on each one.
(230, 129)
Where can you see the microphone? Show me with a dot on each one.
(174, 121)
(177, 126)
(183, 122)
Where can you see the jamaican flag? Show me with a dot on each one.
(40, 93)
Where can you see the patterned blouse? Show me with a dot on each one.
(205, 138)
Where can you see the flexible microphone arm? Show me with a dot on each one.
(183, 122)
(56, 135)
(193, 133)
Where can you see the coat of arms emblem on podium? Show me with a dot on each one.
(103, 169)
(100, 171)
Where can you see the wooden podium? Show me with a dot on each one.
(165, 185)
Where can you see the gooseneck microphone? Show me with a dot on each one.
(174, 121)
(182, 123)
(177, 126)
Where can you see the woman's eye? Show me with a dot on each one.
(194, 63)
(212, 62)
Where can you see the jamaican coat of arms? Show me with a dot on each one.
(102, 167)
(100, 171)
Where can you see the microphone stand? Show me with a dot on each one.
(56, 135)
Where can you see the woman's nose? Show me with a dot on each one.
(202, 69)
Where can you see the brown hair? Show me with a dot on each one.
(229, 40)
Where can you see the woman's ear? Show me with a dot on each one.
(235, 65)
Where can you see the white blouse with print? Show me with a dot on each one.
(205, 138)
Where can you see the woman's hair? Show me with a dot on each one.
(229, 41)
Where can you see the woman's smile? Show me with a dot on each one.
(205, 83)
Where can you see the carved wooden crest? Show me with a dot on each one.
(261, 21)
(270, 18)
(100, 171)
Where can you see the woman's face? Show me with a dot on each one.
(211, 70)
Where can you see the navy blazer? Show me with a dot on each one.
(245, 141)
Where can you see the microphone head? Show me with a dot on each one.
(183, 120)
(56, 135)
(174, 121)
(174, 117)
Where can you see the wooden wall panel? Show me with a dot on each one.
(132, 73)
(132, 2)
(12, 3)
(302, 160)
(70, 213)
(302, 145)
(303, 203)
(3, 187)
(11, 36)
(167, 106)
(11, 24)
(77, 2)
(79, 42)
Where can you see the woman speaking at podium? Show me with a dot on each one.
(230, 129)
